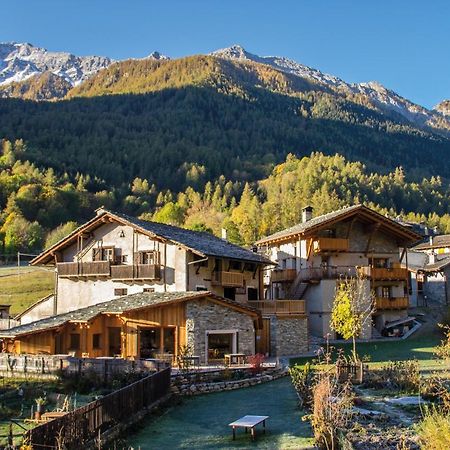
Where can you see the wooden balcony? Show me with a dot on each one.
(85, 269)
(280, 307)
(330, 245)
(136, 272)
(384, 274)
(327, 273)
(281, 275)
(391, 303)
(228, 279)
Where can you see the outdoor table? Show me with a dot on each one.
(248, 422)
(235, 358)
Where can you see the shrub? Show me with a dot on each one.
(434, 430)
(442, 351)
(331, 411)
(303, 379)
(256, 362)
(402, 376)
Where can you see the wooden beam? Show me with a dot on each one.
(311, 240)
(375, 228)
(350, 227)
(403, 255)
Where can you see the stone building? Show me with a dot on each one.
(145, 325)
(430, 275)
(114, 255)
(315, 255)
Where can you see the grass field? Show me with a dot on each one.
(201, 422)
(24, 287)
(378, 353)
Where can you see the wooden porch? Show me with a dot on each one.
(391, 303)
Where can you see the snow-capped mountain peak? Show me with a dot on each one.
(19, 61)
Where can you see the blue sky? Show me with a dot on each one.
(402, 44)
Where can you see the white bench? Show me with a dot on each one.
(248, 422)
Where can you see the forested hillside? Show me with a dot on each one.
(185, 122)
(40, 206)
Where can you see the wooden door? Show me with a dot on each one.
(263, 338)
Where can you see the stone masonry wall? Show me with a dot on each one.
(288, 335)
(203, 316)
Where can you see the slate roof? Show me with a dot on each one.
(116, 306)
(438, 265)
(439, 241)
(319, 220)
(202, 243)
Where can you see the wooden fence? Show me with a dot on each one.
(75, 429)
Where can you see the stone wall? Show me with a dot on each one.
(203, 316)
(288, 335)
(204, 383)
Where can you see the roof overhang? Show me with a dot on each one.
(362, 213)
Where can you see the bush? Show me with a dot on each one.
(434, 430)
(255, 362)
(331, 411)
(402, 376)
(303, 379)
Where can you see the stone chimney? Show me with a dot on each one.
(307, 213)
(224, 234)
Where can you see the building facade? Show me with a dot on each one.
(114, 255)
(356, 242)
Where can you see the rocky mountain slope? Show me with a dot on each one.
(375, 93)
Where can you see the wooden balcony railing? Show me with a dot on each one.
(228, 279)
(382, 273)
(136, 272)
(321, 245)
(86, 269)
(280, 275)
(391, 303)
(327, 273)
(279, 306)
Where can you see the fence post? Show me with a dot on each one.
(105, 370)
(43, 365)
(25, 364)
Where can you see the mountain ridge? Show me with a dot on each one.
(22, 63)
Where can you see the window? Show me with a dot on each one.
(385, 291)
(148, 289)
(96, 340)
(103, 254)
(149, 257)
(124, 259)
(381, 263)
(250, 267)
(120, 291)
(252, 293)
(200, 288)
(235, 265)
(74, 341)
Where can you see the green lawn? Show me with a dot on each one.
(24, 287)
(420, 348)
(201, 422)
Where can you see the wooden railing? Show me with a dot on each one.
(279, 275)
(279, 306)
(78, 269)
(382, 273)
(228, 279)
(330, 245)
(391, 303)
(327, 273)
(75, 429)
(136, 272)
(104, 268)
